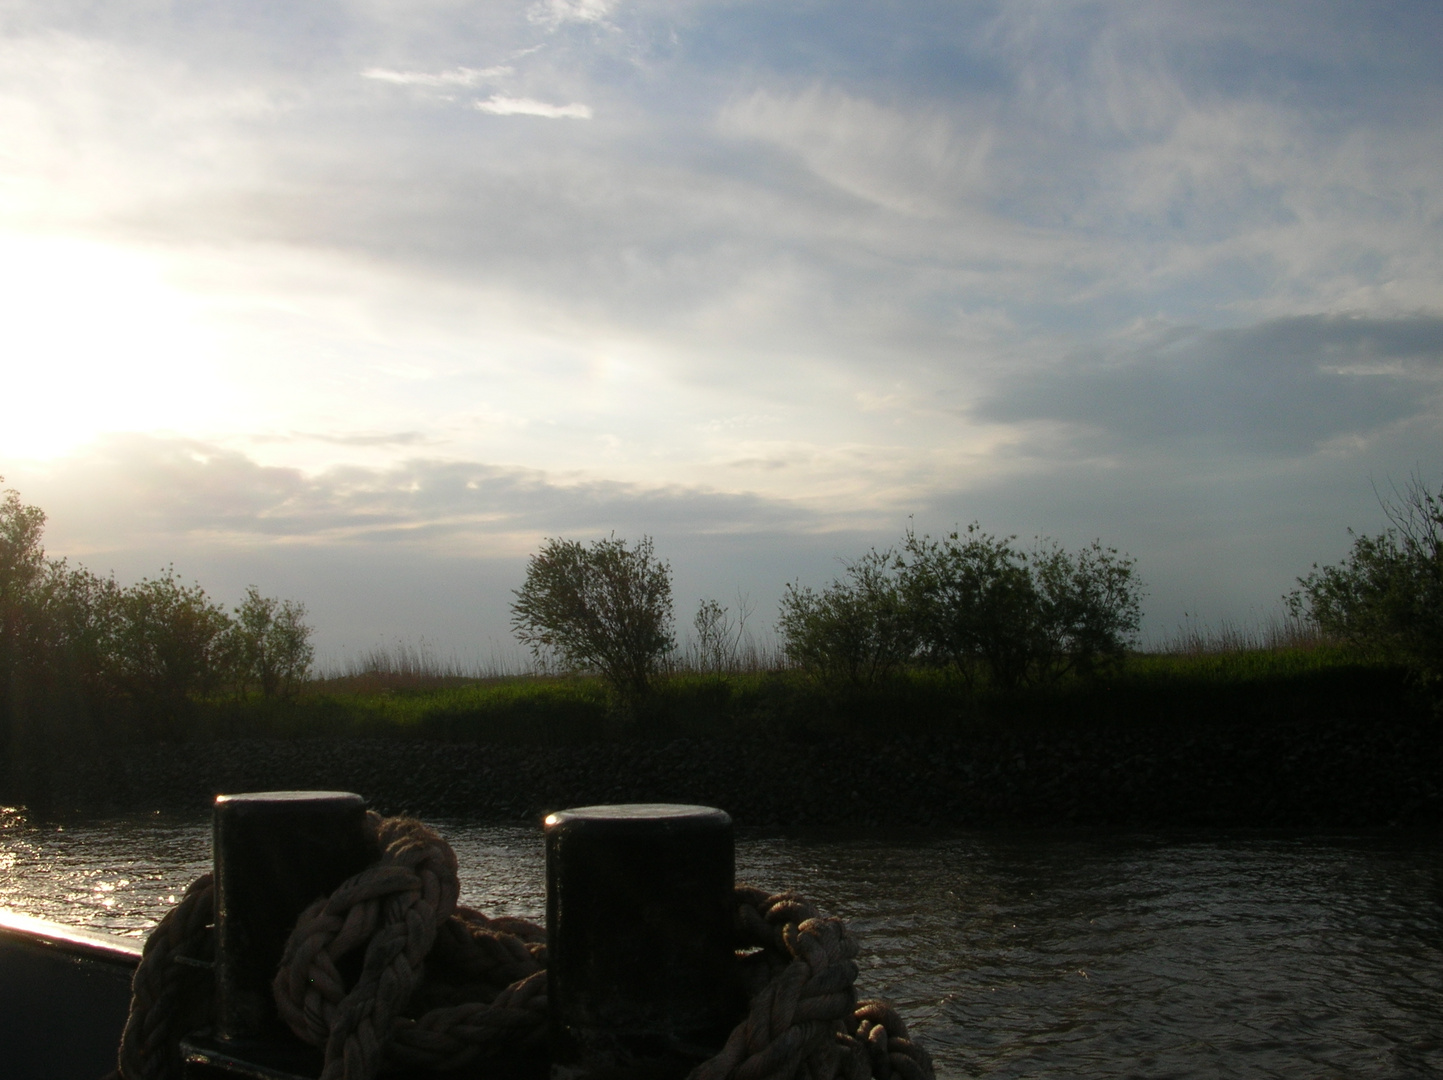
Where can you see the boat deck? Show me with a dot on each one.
(64, 996)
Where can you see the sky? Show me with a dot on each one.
(362, 301)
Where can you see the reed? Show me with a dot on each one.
(748, 658)
(407, 666)
(1277, 630)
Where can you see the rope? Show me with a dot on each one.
(170, 997)
(485, 979)
(804, 1019)
(439, 985)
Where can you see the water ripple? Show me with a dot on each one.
(1105, 954)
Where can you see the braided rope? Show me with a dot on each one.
(440, 985)
(804, 1019)
(878, 1040)
(168, 996)
(397, 909)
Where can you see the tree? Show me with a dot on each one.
(1386, 597)
(1090, 607)
(22, 566)
(22, 569)
(972, 602)
(170, 640)
(270, 645)
(975, 603)
(83, 619)
(1020, 617)
(22, 558)
(859, 628)
(604, 607)
(55, 639)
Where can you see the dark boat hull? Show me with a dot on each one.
(64, 995)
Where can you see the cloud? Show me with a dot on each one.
(888, 199)
(1283, 386)
(499, 105)
(553, 13)
(913, 161)
(397, 438)
(461, 76)
(864, 234)
(125, 489)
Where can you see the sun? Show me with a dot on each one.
(94, 339)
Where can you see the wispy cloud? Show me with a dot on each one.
(499, 105)
(395, 438)
(461, 76)
(553, 13)
(158, 491)
(911, 160)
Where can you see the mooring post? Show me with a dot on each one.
(642, 975)
(275, 853)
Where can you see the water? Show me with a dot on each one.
(1104, 954)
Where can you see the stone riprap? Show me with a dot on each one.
(1336, 772)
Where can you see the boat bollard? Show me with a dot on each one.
(275, 853)
(641, 965)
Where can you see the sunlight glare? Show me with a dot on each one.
(95, 340)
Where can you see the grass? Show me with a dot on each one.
(1243, 665)
(1194, 681)
(406, 666)
(1276, 631)
(1229, 673)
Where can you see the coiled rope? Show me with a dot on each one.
(440, 984)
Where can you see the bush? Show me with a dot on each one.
(984, 604)
(23, 673)
(1090, 608)
(84, 660)
(603, 608)
(975, 602)
(860, 629)
(1386, 597)
(83, 613)
(970, 602)
(22, 568)
(170, 640)
(718, 642)
(52, 652)
(22, 558)
(269, 645)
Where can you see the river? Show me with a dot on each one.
(1011, 953)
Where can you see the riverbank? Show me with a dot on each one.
(1326, 751)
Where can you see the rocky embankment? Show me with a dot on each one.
(1356, 771)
